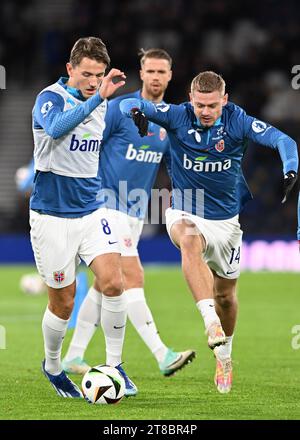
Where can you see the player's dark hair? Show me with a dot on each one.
(89, 47)
(207, 82)
(160, 54)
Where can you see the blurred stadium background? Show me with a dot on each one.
(241, 40)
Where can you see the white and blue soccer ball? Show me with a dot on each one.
(32, 284)
(103, 385)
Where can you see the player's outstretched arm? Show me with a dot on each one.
(165, 115)
(131, 108)
(288, 152)
(110, 84)
(265, 134)
(127, 105)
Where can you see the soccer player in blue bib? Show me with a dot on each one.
(128, 167)
(208, 138)
(67, 220)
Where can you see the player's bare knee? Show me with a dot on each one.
(225, 299)
(62, 309)
(61, 301)
(113, 286)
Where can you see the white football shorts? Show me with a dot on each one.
(128, 231)
(59, 243)
(223, 240)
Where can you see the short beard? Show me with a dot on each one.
(155, 94)
(207, 125)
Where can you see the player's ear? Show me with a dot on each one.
(225, 99)
(69, 68)
(191, 98)
(141, 74)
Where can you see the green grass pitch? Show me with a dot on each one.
(266, 367)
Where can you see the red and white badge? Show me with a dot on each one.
(220, 146)
(59, 276)
(128, 242)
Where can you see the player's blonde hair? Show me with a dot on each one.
(89, 47)
(160, 54)
(207, 82)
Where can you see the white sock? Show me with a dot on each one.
(208, 311)
(54, 330)
(142, 319)
(87, 322)
(113, 322)
(224, 351)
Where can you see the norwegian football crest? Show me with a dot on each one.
(128, 242)
(162, 134)
(220, 146)
(59, 276)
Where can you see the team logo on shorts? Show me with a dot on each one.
(220, 146)
(59, 276)
(162, 134)
(128, 242)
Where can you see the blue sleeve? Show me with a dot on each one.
(165, 115)
(50, 115)
(168, 160)
(269, 136)
(298, 231)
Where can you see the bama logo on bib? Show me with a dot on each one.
(84, 144)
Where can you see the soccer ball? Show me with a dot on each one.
(103, 385)
(32, 284)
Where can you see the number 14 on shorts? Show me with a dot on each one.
(235, 255)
